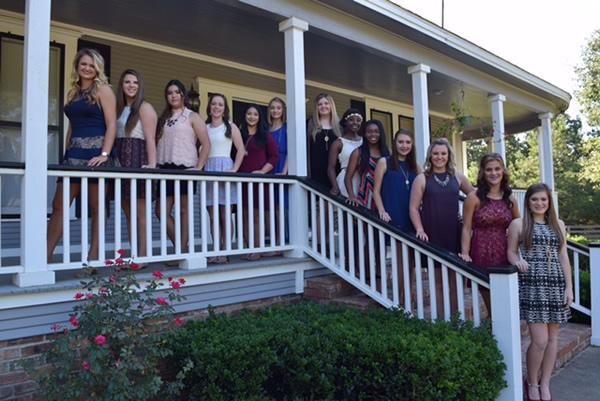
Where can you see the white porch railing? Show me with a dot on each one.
(272, 220)
(11, 175)
(580, 263)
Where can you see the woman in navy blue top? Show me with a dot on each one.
(91, 109)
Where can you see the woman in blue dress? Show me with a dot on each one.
(91, 109)
(394, 176)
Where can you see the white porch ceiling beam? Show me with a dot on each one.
(344, 25)
(36, 59)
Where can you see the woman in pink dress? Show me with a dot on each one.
(487, 214)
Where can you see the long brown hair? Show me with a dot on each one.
(483, 188)
(411, 157)
(134, 109)
(167, 111)
(90, 94)
(550, 216)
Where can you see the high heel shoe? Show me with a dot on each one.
(526, 387)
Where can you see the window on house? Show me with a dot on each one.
(11, 98)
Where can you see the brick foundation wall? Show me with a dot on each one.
(15, 384)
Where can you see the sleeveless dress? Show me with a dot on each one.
(280, 137)
(319, 156)
(131, 149)
(257, 155)
(87, 136)
(348, 147)
(489, 241)
(177, 149)
(542, 286)
(395, 193)
(367, 183)
(219, 159)
(439, 211)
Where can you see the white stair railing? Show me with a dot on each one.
(11, 175)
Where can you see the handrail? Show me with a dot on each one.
(411, 238)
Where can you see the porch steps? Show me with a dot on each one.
(573, 338)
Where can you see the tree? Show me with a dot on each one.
(588, 74)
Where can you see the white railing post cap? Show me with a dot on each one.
(419, 68)
(293, 22)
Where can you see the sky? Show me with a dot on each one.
(544, 37)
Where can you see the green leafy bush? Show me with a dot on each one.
(316, 352)
(113, 347)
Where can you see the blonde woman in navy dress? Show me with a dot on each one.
(136, 145)
(537, 246)
(90, 107)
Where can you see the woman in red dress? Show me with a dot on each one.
(487, 214)
(262, 154)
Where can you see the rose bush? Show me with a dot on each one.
(113, 346)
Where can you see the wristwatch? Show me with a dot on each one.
(105, 154)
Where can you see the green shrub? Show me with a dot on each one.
(316, 352)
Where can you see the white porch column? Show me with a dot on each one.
(595, 292)
(497, 102)
(504, 293)
(421, 109)
(545, 147)
(35, 132)
(293, 29)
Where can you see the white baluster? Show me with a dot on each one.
(341, 239)
(351, 253)
(250, 216)
(446, 292)
(101, 219)
(216, 236)
(475, 296)
(576, 276)
(322, 227)
(228, 215)
(406, 275)
(460, 295)
(272, 230)
(190, 222)
(204, 217)
(395, 277)
(361, 251)
(432, 288)
(134, 218)
(282, 227)
(261, 214)
(372, 257)
(313, 221)
(240, 217)
(148, 200)
(117, 214)
(419, 285)
(65, 222)
(84, 220)
(177, 212)
(331, 232)
(383, 265)
(163, 217)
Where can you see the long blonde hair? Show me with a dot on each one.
(314, 124)
(91, 94)
(550, 216)
(450, 166)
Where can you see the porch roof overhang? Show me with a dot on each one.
(364, 46)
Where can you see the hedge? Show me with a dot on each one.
(311, 351)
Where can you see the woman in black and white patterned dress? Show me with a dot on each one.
(537, 246)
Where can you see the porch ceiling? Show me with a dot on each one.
(233, 31)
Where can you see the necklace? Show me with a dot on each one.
(405, 174)
(172, 121)
(443, 182)
(247, 142)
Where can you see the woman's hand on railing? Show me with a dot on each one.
(522, 265)
(383, 215)
(465, 257)
(353, 201)
(335, 190)
(97, 161)
(422, 236)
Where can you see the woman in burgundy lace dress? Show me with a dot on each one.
(486, 216)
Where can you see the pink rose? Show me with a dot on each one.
(100, 339)
(79, 295)
(112, 279)
(134, 266)
(121, 252)
(85, 365)
(162, 301)
(178, 322)
(182, 281)
(119, 261)
(158, 274)
(109, 262)
(74, 322)
(175, 284)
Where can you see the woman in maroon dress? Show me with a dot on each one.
(487, 214)
(262, 154)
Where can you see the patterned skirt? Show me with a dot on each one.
(132, 153)
(219, 164)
